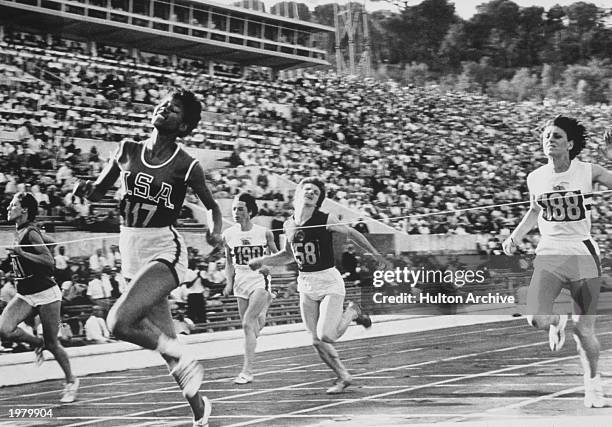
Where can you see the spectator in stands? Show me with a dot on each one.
(25, 132)
(65, 331)
(62, 270)
(8, 290)
(99, 289)
(196, 303)
(11, 186)
(216, 277)
(114, 256)
(277, 227)
(349, 263)
(55, 201)
(64, 173)
(98, 261)
(96, 329)
(118, 283)
(234, 158)
(361, 226)
(265, 210)
(262, 179)
(74, 291)
(179, 297)
(183, 325)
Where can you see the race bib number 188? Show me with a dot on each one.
(562, 206)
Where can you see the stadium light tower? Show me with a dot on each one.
(348, 23)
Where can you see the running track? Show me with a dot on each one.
(498, 372)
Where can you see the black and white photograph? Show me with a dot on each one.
(369, 213)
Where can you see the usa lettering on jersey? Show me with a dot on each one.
(142, 188)
(151, 195)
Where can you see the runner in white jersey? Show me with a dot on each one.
(566, 256)
(243, 242)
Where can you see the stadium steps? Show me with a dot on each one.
(282, 311)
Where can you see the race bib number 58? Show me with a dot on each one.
(306, 253)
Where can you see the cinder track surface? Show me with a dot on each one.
(494, 374)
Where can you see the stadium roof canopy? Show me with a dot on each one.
(103, 24)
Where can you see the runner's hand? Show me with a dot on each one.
(214, 239)
(509, 246)
(606, 148)
(81, 189)
(255, 264)
(227, 290)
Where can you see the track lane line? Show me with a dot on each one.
(408, 389)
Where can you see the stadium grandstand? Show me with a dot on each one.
(435, 179)
(189, 29)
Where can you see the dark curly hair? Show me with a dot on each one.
(575, 132)
(251, 203)
(192, 109)
(29, 202)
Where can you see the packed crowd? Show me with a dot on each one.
(397, 154)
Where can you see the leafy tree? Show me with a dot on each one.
(416, 74)
(476, 76)
(548, 77)
(531, 35)
(497, 24)
(582, 92)
(324, 14)
(596, 76)
(455, 46)
(526, 85)
(418, 32)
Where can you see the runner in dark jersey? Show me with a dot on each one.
(309, 244)
(32, 264)
(154, 177)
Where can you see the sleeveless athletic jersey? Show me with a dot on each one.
(312, 246)
(30, 276)
(565, 199)
(151, 195)
(244, 246)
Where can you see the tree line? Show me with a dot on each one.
(504, 49)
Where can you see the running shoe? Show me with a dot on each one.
(189, 375)
(39, 353)
(203, 422)
(339, 386)
(70, 391)
(556, 333)
(593, 393)
(361, 319)
(243, 378)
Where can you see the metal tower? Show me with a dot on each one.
(351, 21)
